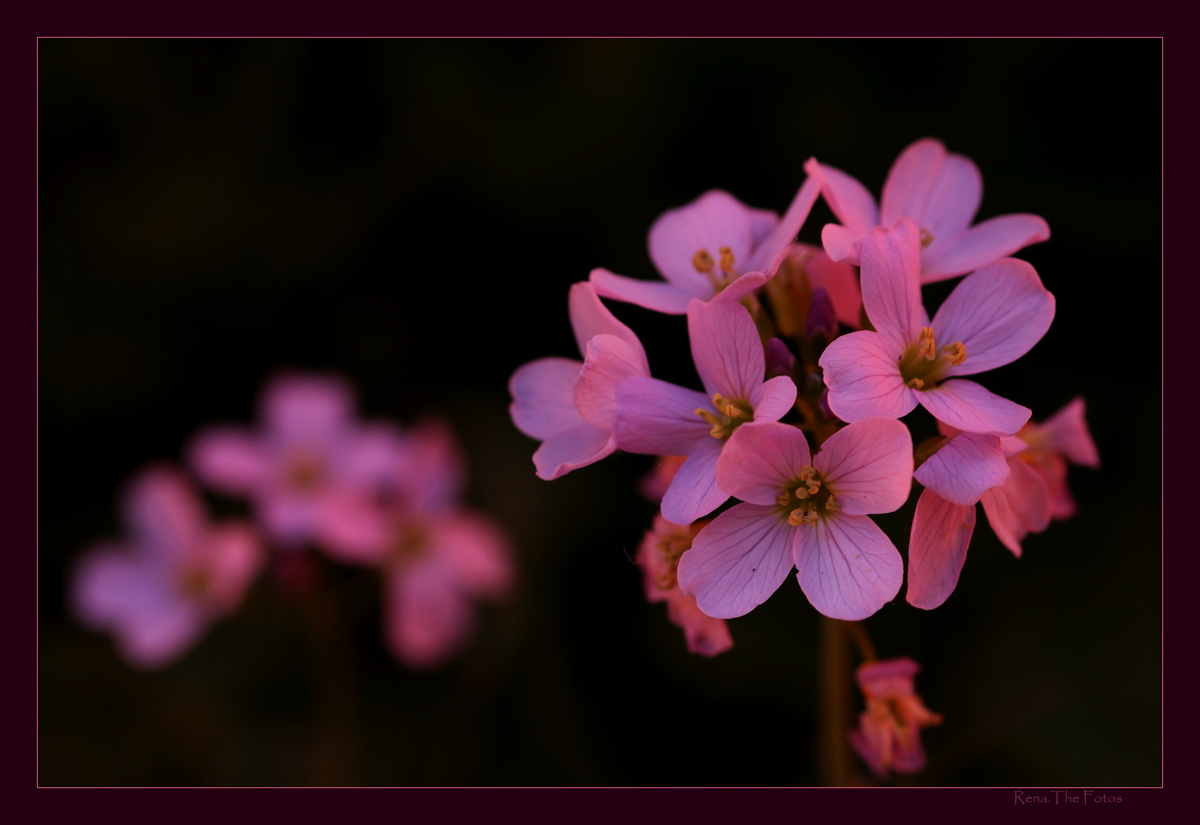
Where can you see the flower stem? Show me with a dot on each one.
(835, 761)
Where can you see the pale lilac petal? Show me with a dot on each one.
(297, 408)
(862, 371)
(1067, 432)
(937, 548)
(1019, 506)
(998, 313)
(609, 361)
(590, 317)
(659, 296)
(847, 567)
(785, 231)
(163, 512)
(891, 283)
(760, 459)
(572, 449)
(940, 191)
(964, 467)
(658, 418)
(868, 466)
(850, 201)
(229, 460)
(773, 399)
(726, 348)
(969, 407)
(981, 245)
(475, 552)
(428, 621)
(694, 492)
(713, 220)
(541, 390)
(737, 561)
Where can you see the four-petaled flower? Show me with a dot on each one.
(888, 736)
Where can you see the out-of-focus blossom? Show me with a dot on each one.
(655, 483)
(544, 402)
(307, 454)
(658, 556)
(804, 511)
(158, 590)
(940, 192)
(992, 317)
(704, 246)
(1061, 438)
(438, 557)
(659, 418)
(888, 736)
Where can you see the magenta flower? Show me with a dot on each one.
(804, 511)
(704, 246)
(659, 418)
(993, 317)
(888, 737)
(307, 455)
(438, 558)
(159, 590)
(658, 556)
(544, 402)
(940, 192)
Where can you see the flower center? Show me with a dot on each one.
(926, 238)
(807, 498)
(728, 417)
(703, 263)
(305, 471)
(193, 582)
(410, 542)
(923, 365)
(670, 548)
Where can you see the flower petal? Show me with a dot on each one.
(609, 361)
(773, 399)
(969, 407)
(300, 408)
(475, 552)
(737, 561)
(785, 231)
(981, 245)
(862, 371)
(163, 513)
(572, 449)
(658, 418)
(868, 466)
(891, 283)
(760, 459)
(938, 190)
(428, 621)
(590, 317)
(659, 296)
(847, 567)
(228, 459)
(850, 201)
(964, 467)
(542, 405)
(713, 220)
(937, 548)
(1067, 432)
(694, 491)
(1019, 506)
(705, 635)
(726, 348)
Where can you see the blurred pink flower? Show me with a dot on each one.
(159, 590)
(308, 452)
(704, 246)
(804, 511)
(940, 192)
(888, 737)
(992, 317)
(658, 556)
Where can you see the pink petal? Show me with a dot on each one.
(368, 455)
(841, 244)
(1018, 507)
(737, 561)
(656, 295)
(289, 516)
(609, 361)
(726, 348)
(743, 286)
(862, 371)
(964, 467)
(713, 220)
(937, 548)
(841, 282)
(428, 468)
(542, 405)
(850, 201)
(475, 552)
(705, 635)
(760, 459)
(940, 191)
(891, 283)
(785, 231)
(868, 466)
(305, 408)
(981, 245)
(694, 491)
(228, 459)
(572, 449)
(998, 313)
(847, 567)
(773, 399)
(658, 418)
(232, 554)
(1067, 432)
(428, 621)
(969, 407)
(352, 527)
(590, 317)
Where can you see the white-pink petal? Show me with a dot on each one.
(569, 450)
(849, 200)
(659, 418)
(964, 467)
(938, 190)
(785, 230)
(847, 567)
(726, 348)
(891, 283)
(660, 296)
(868, 466)
(1019, 506)
(609, 361)
(937, 548)
(590, 317)
(229, 459)
(1067, 432)
(694, 491)
(542, 406)
(862, 372)
(774, 398)
(969, 407)
(980, 245)
(713, 220)
(760, 459)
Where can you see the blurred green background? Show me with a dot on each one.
(411, 214)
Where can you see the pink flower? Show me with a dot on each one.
(1061, 438)
(576, 431)
(159, 590)
(658, 556)
(993, 317)
(804, 511)
(888, 737)
(940, 192)
(438, 558)
(658, 418)
(704, 246)
(308, 453)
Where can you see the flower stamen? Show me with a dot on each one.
(702, 261)
(926, 238)
(727, 260)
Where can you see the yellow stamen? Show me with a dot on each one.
(926, 238)
(702, 261)
(926, 347)
(956, 353)
(916, 384)
(727, 260)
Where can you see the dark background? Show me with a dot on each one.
(411, 215)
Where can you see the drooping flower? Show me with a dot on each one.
(544, 397)
(308, 453)
(805, 511)
(704, 246)
(655, 417)
(940, 192)
(437, 557)
(159, 590)
(888, 736)
(658, 556)
(992, 317)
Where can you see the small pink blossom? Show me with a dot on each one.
(805, 511)
(160, 589)
(888, 737)
(992, 317)
(704, 246)
(940, 192)
(576, 430)
(308, 453)
(658, 556)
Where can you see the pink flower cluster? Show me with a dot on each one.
(316, 476)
